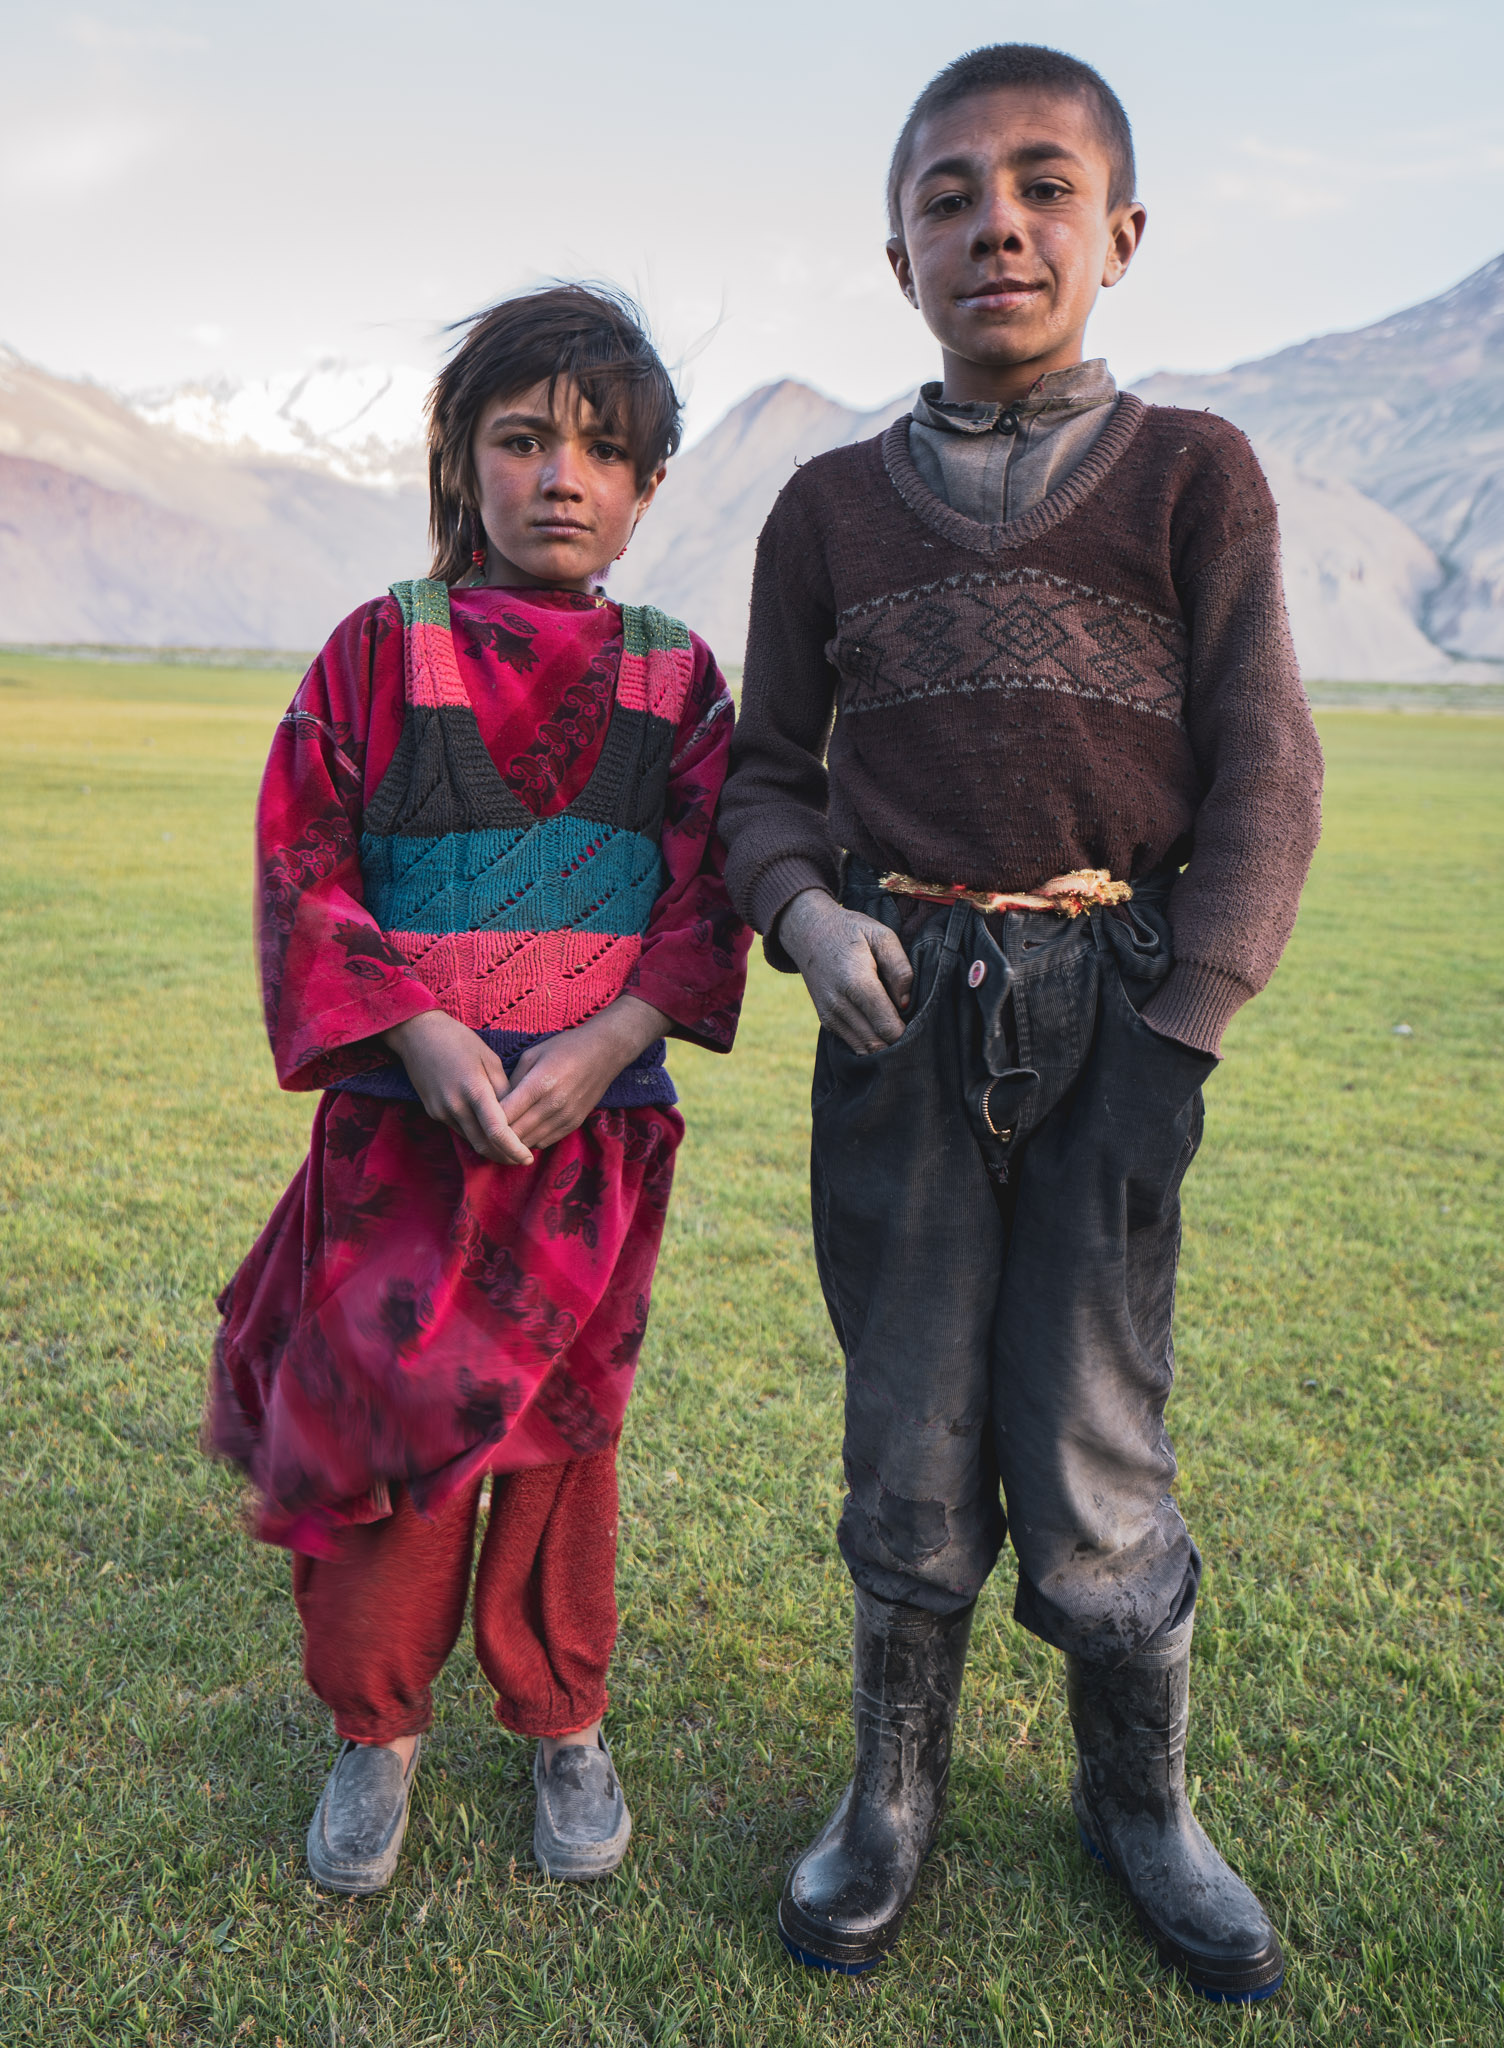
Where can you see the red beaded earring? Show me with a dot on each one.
(478, 539)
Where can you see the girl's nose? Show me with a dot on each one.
(563, 477)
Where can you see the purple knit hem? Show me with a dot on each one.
(646, 1084)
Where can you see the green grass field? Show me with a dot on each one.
(1337, 1419)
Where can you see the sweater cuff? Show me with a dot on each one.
(1196, 1005)
(772, 893)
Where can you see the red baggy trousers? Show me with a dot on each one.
(380, 1618)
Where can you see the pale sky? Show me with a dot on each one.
(193, 190)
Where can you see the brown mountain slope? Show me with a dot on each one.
(1411, 410)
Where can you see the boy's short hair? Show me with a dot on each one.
(591, 336)
(1003, 64)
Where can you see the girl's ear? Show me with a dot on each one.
(649, 490)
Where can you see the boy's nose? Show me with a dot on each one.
(996, 227)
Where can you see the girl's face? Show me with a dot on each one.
(558, 493)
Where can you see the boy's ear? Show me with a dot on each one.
(649, 490)
(898, 256)
(1126, 232)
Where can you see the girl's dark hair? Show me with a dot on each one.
(591, 336)
(1001, 64)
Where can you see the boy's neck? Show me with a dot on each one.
(969, 383)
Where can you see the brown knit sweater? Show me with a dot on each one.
(1104, 679)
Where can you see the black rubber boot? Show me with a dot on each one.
(1130, 1801)
(846, 1896)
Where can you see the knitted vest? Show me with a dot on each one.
(522, 926)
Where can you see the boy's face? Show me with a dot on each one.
(1007, 236)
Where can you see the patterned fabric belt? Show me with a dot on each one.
(646, 1084)
(1065, 895)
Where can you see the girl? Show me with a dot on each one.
(490, 888)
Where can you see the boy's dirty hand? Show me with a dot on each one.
(555, 1085)
(460, 1082)
(855, 969)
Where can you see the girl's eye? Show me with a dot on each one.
(522, 444)
(608, 452)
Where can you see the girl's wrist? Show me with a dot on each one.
(395, 1034)
(628, 1027)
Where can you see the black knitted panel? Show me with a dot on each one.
(631, 777)
(443, 780)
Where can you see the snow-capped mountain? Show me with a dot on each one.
(120, 530)
(355, 420)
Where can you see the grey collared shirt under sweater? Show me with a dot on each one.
(968, 456)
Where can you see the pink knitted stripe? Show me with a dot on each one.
(520, 981)
(656, 682)
(433, 676)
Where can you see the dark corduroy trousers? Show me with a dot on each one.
(380, 1618)
(997, 1225)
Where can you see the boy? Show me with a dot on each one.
(1047, 623)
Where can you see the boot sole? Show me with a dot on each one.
(855, 1965)
(1185, 1966)
(863, 1956)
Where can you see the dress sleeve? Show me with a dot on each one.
(694, 953)
(330, 980)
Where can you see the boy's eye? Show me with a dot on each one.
(1048, 189)
(947, 205)
(607, 451)
(522, 444)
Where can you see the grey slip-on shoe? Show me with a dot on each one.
(355, 1836)
(582, 1826)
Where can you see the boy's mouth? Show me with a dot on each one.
(999, 294)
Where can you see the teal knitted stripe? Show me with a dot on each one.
(563, 874)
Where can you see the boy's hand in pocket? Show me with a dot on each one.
(855, 969)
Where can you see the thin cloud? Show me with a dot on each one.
(88, 32)
(67, 162)
(1294, 182)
